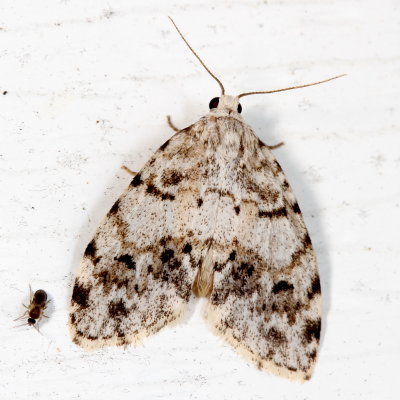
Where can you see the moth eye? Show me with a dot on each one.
(31, 321)
(239, 109)
(214, 103)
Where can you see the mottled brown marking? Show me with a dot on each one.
(171, 177)
(187, 248)
(127, 260)
(117, 309)
(166, 255)
(154, 191)
(114, 209)
(91, 249)
(296, 208)
(282, 286)
(261, 143)
(221, 193)
(315, 287)
(80, 295)
(137, 180)
(164, 145)
(276, 337)
(90, 252)
(277, 213)
(312, 330)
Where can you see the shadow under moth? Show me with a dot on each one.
(210, 214)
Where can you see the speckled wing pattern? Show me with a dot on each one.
(210, 214)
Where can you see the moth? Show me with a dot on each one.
(211, 214)
(35, 310)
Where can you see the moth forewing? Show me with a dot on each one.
(210, 214)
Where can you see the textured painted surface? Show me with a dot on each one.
(85, 87)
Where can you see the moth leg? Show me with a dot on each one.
(171, 125)
(275, 146)
(129, 171)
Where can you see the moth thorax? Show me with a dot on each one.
(228, 102)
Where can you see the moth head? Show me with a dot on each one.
(228, 103)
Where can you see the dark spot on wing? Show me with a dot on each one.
(276, 337)
(250, 270)
(237, 210)
(247, 269)
(91, 249)
(232, 256)
(167, 196)
(199, 202)
(114, 208)
(166, 255)
(312, 329)
(171, 177)
(277, 213)
(315, 288)
(80, 295)
(152, 190)
(296, 208)
(117, 309)
(187, 248)
(137, 180)
(261, 143)
(127, 260)
(164, 145)
(307, 240)
(218, 267)
(282, 286)
(278, 167)
(90, 252)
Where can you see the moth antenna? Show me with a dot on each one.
(292, 87)
(197, 56)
